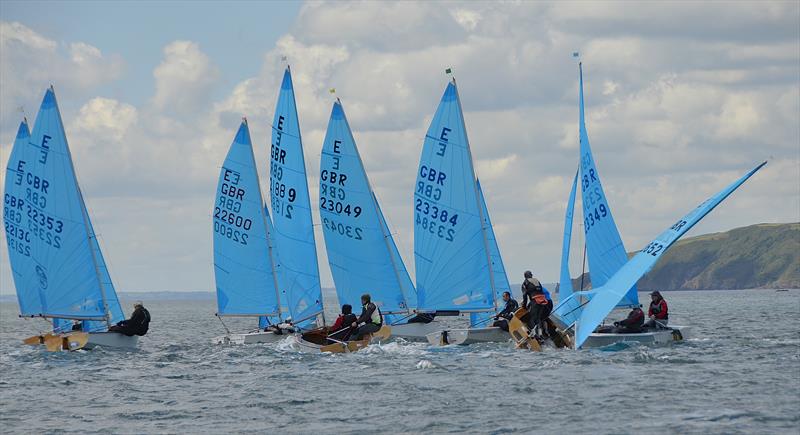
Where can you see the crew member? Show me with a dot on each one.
(535, 301)
(341, 328)
(633, 323)
(138, 324)
(502, 318)
(370, 320)
(658, 311)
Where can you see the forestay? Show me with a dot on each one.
(361, 254)
(604, 247)
(291, 211)
(498, 269)
(608, 296)
(244, 266)
(58, 268)
(450, 242)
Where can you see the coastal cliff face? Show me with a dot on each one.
(756, 256)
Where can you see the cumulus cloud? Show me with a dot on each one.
(680, 100)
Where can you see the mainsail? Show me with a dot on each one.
(604, 247)
(244, 265)
(451, 249)
(361, 253)
(58, 267)
(291, 211)
(609, 295)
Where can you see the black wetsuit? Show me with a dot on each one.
(532, 288)
(633, 323)
(343, 332)
(502, 318)
(138, 324)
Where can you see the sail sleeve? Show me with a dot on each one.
(291, 211)
(607, 297)
(604, 248)
(565, 285)
(56, 271)
(450, 249)
(243, 264)
(355, 237)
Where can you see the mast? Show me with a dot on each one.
(265, 218)
(85, 215)
(477, 201)
(308, 195)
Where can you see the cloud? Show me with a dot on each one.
(184, 79)
(680, 100)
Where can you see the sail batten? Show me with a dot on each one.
(361, 252)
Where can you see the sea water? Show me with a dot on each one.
(739, 373)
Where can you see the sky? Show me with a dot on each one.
(681, 99)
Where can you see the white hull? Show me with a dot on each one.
(111, 339)
(306, 346)
(415, 331)
(490, 334)
(661, 336)
(250, 338)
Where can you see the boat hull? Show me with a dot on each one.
(307, 346)
(111, 339)
(250, 338)
(657, 337)
(466, 336)
(415, 331)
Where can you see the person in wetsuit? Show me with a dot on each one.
(138, 324)
(370, 320)
(535, 301)
(632, 324)
(342, 328)
(658, 312)
(501, 319)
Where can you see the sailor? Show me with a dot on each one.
(633, 323)
(138, 324)
(502, 318)
(535, 301)
(341, 328)
(370, 320)
(77, 325)
(285, 326)
(658, 311)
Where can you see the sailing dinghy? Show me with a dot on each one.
(458, 263)
(58, 266)
(244, 259)
(362, 254)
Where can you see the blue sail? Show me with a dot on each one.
(565, 285)
(608, 296)
(404, 280)
(450, 247)
(291, 211)
(604, 246)
(57, 270)
(244, 266)
(359, 249)
(501, 283)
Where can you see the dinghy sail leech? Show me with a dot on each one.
(291, 212)
(615, 289)
(45, 217)
(244, 264)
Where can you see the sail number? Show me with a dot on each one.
(436, 213)
(434, 227)
(352, 232)
(593, 216)
(230, 232)
(678, 225)
(653, 248)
